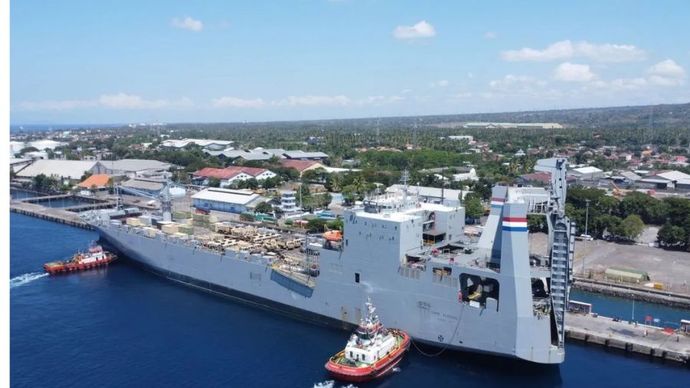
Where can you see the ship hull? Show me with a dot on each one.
(334, 302)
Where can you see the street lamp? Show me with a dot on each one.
(587, 217)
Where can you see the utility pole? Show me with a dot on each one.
(587, 216)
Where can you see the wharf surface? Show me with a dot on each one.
(630, 291)
(640, 339)
(61, 216)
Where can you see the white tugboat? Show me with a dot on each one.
(372, 351)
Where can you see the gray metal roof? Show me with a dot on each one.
(72, 169)
(144, 184)
(134, 165)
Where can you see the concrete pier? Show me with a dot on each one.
(645, 340)
(630, 291)
(51, 214)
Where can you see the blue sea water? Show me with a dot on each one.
(125, 327)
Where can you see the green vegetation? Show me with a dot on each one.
(473, 207)
(264, 207)
(625, 219)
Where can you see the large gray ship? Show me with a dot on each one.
(411, 258)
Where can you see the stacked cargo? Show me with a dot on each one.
(179, 215)
(145, 220)
(132, 221)
(201, 219)
(186, 229)
(170, 228)
(150, 232)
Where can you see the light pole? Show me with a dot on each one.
(587, 217)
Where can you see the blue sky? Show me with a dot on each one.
(172, 61)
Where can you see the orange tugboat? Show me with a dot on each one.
(372, 351)
(93, 258)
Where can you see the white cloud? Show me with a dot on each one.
(606, 52)
(310, 100)
(666, 73)
(380, 100)
(109, 101)
(441, 84)
(236, 102)
(187, 23)
(422, 29)
(129, 101)
(490, 35)
(573, 72)
(511, 81)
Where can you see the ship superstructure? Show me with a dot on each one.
(412, 258)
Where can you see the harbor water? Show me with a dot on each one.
(122, 326)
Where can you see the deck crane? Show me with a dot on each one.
(163, 195)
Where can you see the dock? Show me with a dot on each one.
(631, 291)
(651, 341)
(61, 216)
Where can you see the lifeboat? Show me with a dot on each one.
(372, 351)
(333, 235)
(95, 257)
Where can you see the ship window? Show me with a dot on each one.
(356, 277)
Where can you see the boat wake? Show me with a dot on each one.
(26, 278)
(331, 384)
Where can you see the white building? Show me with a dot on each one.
(225, 200)
(448, 197)
(288, 202)
(227, 176)
(469, 175)
(586, 173)
(215, 145)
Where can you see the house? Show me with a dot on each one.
(225, 200)
(301, 165)
(228, 175)
(97, 181)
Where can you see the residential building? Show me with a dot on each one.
(95, 181)
(231, 174)
(301, 165)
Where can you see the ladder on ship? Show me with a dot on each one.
(561, 235)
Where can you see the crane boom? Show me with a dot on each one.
(162, 195)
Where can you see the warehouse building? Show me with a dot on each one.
(226, 200)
